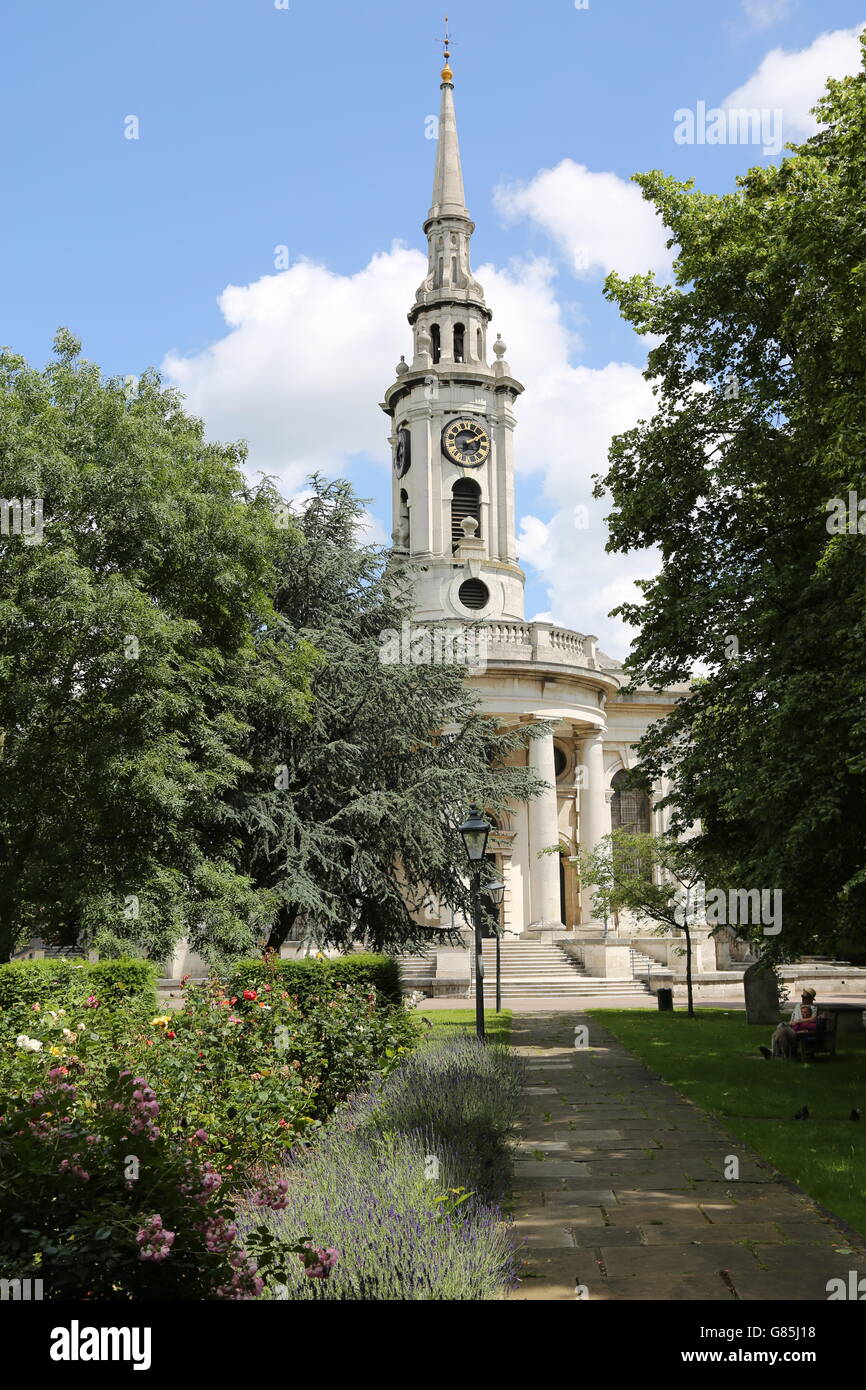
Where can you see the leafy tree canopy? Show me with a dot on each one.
(351, 817)
(760, 378)
(131, 658)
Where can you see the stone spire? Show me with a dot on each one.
(449, 296)
(453, 506)
(449, 199)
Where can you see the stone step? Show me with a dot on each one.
(540, 970)
(626, 989)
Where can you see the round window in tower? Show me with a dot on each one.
(560, 760)
(474, 594)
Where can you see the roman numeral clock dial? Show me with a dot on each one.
(466, 443)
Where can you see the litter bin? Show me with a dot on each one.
(666, 1000)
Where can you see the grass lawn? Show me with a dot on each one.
(713, 1059)
(450, 1023)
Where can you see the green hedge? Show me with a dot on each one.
(54, 980)
(302, 976)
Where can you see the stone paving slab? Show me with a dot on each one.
(548, 1168)
(620, 1191)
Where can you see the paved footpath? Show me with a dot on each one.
(620, 1187)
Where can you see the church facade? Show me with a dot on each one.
(452, 411)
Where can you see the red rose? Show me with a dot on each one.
(249, 994)
(171, 1035)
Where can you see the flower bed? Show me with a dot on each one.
(398, 1187)
(124, 1137)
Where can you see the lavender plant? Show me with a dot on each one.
(398, 1187)
(368, 1198)
(465, 1094)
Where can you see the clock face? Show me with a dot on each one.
(403, 453)
(466, 442)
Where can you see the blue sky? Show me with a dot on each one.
(305, 127)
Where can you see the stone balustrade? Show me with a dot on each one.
(512, 641)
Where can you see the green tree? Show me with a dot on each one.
(760, 377)
(130, 658)
(351, 818)
(653, 877)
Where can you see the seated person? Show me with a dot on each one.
(784, 1040)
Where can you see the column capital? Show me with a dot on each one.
(596, 735)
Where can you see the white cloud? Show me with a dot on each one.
(762, 13)
(308, 354)
(303, 366)
(564, 431)
(600, 221)
(371, 531)
(793, 82)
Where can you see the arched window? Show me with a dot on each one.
(458, 342)
(437, 344)
(480, 344)
(630, 807)
(465, 501)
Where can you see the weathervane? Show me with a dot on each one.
(447, 41)
(448, 45)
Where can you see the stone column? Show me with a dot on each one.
(543, 833)
(594, 808)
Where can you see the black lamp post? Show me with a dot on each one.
(474, 832)
(495, 891)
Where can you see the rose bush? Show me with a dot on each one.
(124, 1138)
(256, 1071)
(98, 1203)
(259, 1069)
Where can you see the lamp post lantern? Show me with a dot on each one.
(474, 832)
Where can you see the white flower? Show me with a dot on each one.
(28, 1044)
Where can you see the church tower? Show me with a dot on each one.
(452, 437)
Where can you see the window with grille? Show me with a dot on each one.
(465, 501)
(630, 807)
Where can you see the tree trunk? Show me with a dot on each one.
(7, 937)
(285, 921)
(691, 1009)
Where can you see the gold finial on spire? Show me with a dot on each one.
(447, 74)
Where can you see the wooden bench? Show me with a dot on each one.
(821, 1043)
